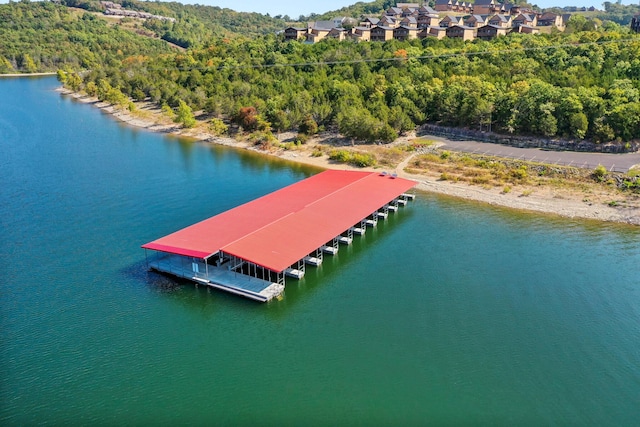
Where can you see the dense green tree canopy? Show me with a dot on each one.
(584, 83)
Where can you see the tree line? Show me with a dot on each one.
(584, 83)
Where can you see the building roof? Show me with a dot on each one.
(501, 18)
(548, 15)
(326, 25)
(427, 10)
(477, 18)
(277, 230)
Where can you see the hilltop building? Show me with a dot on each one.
(484, 19)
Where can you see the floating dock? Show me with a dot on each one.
(249, 250)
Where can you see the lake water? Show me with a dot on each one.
(449, 313)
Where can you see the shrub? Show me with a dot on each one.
(309, 126)
(599, 172)
(445, 155)
(302, 138)
(263, 139)
(184, 115)
(363, 160)
(341, 156)
(218, 127)
(355, 159)
(167, 111)
(520, 173)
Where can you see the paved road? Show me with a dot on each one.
(616, 162)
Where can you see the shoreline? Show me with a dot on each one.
(28, 74)
(543, 199)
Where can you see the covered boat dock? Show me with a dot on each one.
(248, 250)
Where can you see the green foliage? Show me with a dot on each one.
(520, 173)
(218, 127)
(358, 123)
(27, 64)
(302, 138)
(167, 111)
(599, 173)
(352, 158)
(5, 66)
(618, 12)
(44, 36)
(263, 138)
(184, 115)
(309, 126)
(550, 85)
(356, 10)
(91, 89)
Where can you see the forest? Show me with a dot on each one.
(580, 84)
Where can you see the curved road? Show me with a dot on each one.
(613, 162)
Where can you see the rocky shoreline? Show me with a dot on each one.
(539, 199)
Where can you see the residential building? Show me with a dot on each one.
(380, 33)
(443, 5)
(510, 9)
(461, 32)
(338, 34)
(314, 35)
(394, 12)
(437, 32)
(295, 33)
(370, 22)
(451, 20)
(426, 20)
(405, 33)
(525, 19)
(503, 21)
(476, 21)
(361, 34)
(427, 10)
(526, 29)
(486, 7)
(389, 21)
(488, 32)
(409, 21)
(549, 19)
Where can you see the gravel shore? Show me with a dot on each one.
(600, 206)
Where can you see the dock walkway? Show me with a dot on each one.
(217, 277)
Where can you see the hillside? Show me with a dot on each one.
(44, 36)
(194, 24)
(584, 83)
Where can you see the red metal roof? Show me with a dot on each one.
(277, 230)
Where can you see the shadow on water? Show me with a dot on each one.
(299, 291)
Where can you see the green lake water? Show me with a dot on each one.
(449, 313)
